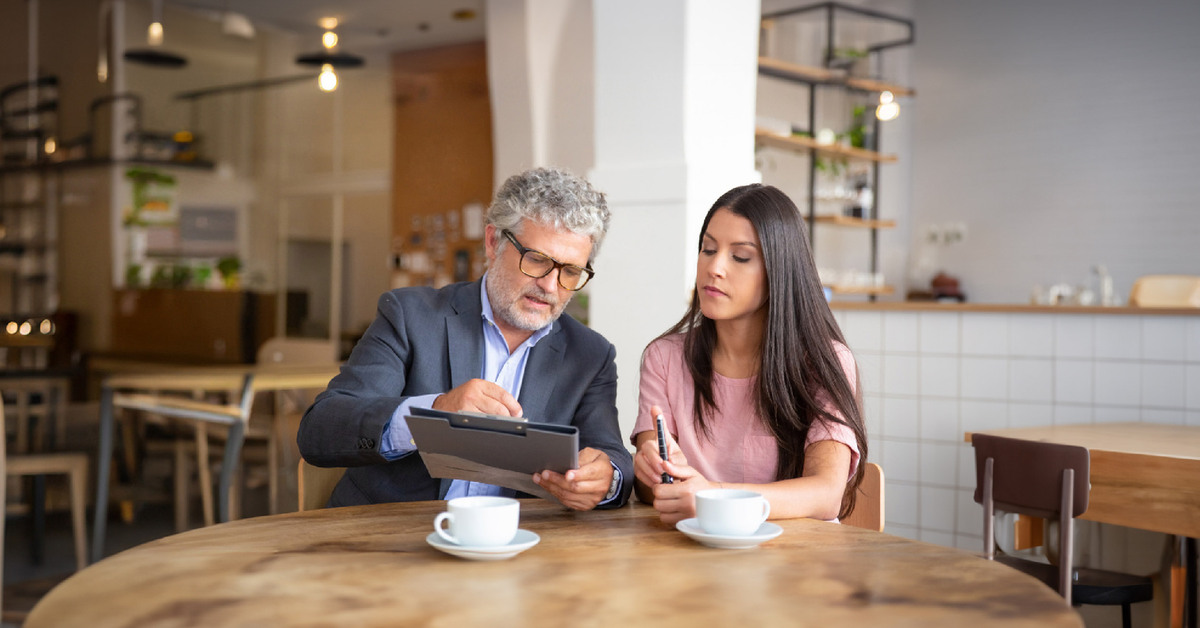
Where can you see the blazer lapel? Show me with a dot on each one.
(464, 335)
(541, 375)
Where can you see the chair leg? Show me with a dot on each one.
(273, 466)
(182, 479)
(1126, 620)
(202, 470)
(78, 480)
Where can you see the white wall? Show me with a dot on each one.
(1062, 134)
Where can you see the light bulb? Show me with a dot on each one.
(327, 81)
(26, 328)
(47, 327)
(887, 111)
(51, 145)
(154, 34)
(329, 39)
(886, 97)
(11, 328)
(328, 23)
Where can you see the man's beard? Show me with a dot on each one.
(505, 298)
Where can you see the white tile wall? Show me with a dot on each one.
(1031, 335)
(1118, 337)
(1164, 339)
(931, 376)
(1073, 381)
(900, 374)
(939, 375)
(985, 334)
(939, 419)
(1073, 336)
(1163, 385)
(939, 332)
(1030, 379)
(939, 464)
(1118, 383)
(900, 332)
(984, 378)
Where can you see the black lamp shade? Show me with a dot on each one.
(155, 57)
(336, 59)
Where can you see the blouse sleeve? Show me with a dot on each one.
(652, 389)
(828, 430)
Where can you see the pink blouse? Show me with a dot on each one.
(741, 448)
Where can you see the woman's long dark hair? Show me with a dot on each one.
(798, 358)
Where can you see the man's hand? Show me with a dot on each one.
(478, 395)
(582, 488)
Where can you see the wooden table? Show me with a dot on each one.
(251, 378)
(371, 566)
(1144, 475)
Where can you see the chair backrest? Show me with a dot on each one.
(1166, 291)
(1027, 474)
(868, 508)
(1049, 480)
(283, 350)
(315, 484)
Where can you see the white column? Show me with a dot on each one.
(540, 79)
(674, 120)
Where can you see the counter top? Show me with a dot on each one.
(1019, 308)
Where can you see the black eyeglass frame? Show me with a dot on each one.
(586, 271)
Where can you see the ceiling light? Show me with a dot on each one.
(888, 108)
(329, 40)
(154, 55)
(327, 80)
(328, 23)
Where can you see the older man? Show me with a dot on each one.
(498, 345)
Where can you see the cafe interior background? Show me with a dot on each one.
(188, 213)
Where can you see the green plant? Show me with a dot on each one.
(857, 133)
(229, 267)
(181, 275)
(133, 276)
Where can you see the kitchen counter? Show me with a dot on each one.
(1019, 308)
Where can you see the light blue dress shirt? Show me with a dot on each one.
(499, 366)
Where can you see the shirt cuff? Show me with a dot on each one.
(397, 439)
(620, 480)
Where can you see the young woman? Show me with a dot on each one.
(755, 383)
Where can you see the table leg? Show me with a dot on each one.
(1189, 594)
(103, 463)
(233, 448)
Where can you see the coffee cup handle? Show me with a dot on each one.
(766, 511)
(437, 526)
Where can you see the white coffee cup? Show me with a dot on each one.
(731, 511)
(479, 521)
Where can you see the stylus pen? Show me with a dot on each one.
(661, 427)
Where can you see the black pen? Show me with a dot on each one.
(661, 427)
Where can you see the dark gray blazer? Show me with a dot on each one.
(427, 341)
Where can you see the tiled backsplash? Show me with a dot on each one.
(930, 376)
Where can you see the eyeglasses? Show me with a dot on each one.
(537, 265)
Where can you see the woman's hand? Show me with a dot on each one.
(677, 501)
(647, 462)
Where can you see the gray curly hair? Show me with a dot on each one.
(552, 197)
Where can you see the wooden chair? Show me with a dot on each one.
(286, 351)
(73, 465)
(868, 509)
(315, 484)
(1051, 481)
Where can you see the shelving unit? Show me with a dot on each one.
(28, 201)
(830, 77)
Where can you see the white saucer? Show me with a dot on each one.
(765, 532)
(521, 542)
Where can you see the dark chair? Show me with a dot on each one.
(1051, 481)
